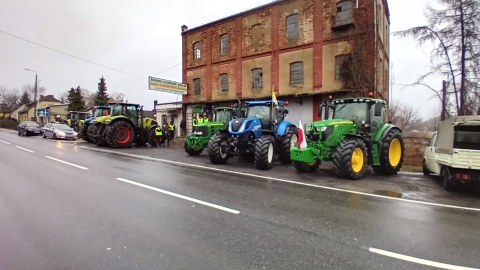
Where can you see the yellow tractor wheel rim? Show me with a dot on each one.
(357, 160)
(395, 152)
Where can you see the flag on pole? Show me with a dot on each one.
(274, 97)
(302, 142)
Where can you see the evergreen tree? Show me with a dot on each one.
(75, 99)
(25, 99)
(101, 97)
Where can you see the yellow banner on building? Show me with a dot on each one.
(162, 85)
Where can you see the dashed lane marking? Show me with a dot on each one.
(180, 196)
(67, 163)
(419, 261)
(24, 149)
(4, 142)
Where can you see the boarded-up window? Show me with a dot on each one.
(224, 82)
(292, 26)
(341, 65)
(196, 50)
(224, 43)
(257, 35)
(196, 86)
(344, 13)
(296, 73)
(257, 78)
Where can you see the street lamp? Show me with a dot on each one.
(36, 91)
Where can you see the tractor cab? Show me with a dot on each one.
(270, 115)
(367, 114)
(131, 111)
(76, 119)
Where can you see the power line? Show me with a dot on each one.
(167, 69)
(71, 55)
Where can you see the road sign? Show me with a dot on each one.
(42, 112)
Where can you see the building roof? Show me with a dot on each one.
(49, 98)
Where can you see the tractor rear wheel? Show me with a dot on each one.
(351, 158)
(264, 152)
(191, 151)
(120, 134)
(287, 141)
(218, 149)
(391, 154)
(306, 167)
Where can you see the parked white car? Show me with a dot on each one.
(59, 131)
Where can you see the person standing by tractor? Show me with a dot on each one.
(183, 127)
(198, 120)
(166, 131)
(159, 136)
(171, 132)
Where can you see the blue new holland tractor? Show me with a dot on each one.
(260, 136)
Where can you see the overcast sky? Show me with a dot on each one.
(129, 40)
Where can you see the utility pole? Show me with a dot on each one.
(36, 92)
(444, 100)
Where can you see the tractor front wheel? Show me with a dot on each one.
(392, 153)
(218, 149)
(287, 141)
(92, 133)
(351, 158)
(306, 167)
(191, 151)
(264, 152)
(120, 134)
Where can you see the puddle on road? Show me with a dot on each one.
(388, 193)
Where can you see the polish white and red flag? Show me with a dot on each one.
(302, 142)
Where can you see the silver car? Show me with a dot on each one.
(59, 131)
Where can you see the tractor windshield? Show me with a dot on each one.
(101, 112)
(356, 112)
(262, 112)
(223, 116)
(117, 110)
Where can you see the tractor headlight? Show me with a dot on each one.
(197, 133)
(322, 129)
(242, 127)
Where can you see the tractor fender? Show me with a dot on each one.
(115, 118)
(382, 134)
(283, 128)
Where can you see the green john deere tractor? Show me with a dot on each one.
(355, 134)
(201, 134)
(123, 127)
(76, 119)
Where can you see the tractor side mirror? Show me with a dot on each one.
(378, 109)
(285, 111)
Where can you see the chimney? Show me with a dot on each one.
(184, 28)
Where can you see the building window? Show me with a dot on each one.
(196, 86)
(196, 50)
(224, 82)
(257, 35)
(296, 73)
(344, 13)
(257, 78)
(224, 43)
(341, 65)
(292, 26)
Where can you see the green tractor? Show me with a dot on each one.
(353, 135)
(102, 110)
(76, 119)
(123, 127)
(201, 134)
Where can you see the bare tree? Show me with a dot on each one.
(118, 96)
(402, 115)
(455, 32)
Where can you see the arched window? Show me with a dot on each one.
(223, 82)
(224, 43)
(292, 26)
(196, 50)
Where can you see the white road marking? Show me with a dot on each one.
(4, 142)
(419, 261)
(24, 149)
(68, 163)
(181, 196)
(282, 180)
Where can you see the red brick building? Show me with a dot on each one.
(300, 47)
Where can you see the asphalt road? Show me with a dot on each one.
(66, 207)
